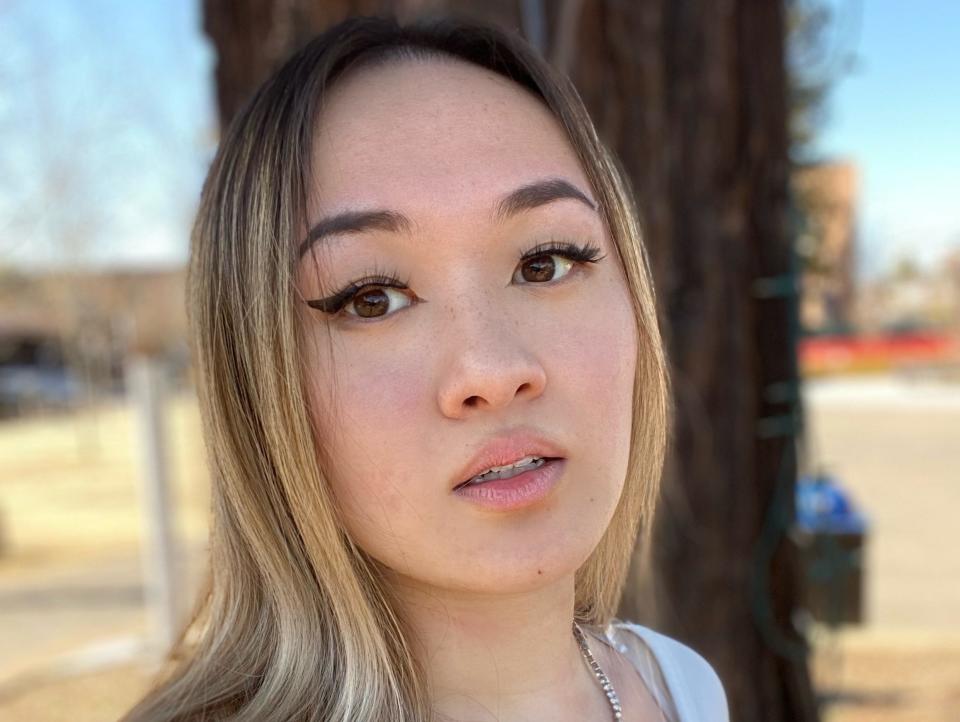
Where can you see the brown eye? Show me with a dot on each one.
(371, 303)
(369, 298)
(541, 269)
(374, 302)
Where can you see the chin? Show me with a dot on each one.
(522, 563)
(509, 553)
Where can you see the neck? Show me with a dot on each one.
(500, 656)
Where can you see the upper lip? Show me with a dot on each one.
(505, 448)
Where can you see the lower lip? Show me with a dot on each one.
(518, 491)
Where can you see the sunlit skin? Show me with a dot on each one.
(404, 400)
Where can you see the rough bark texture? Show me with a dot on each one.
(691, 95)
(253, 37)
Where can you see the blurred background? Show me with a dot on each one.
(798, 170)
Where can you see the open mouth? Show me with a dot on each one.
(506, 472)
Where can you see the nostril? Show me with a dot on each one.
(472, 401)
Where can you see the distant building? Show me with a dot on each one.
(85, 324)
(827, 196)
(912, 298)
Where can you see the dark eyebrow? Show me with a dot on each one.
(540, 193)
(525, 198)
(355, 222)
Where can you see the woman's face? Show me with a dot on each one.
(414, 165)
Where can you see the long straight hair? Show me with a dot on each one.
(295, 622)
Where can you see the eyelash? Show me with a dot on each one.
(334, 305)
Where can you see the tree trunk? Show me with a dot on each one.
(692, 98)
(254, 37)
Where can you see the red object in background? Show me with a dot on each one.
(878, 352)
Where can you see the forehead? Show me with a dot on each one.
(435, 135)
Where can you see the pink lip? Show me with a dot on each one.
(516, 492)
(507, 448)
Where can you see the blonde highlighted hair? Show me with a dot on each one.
(295, 623)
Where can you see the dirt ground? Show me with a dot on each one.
(874, 677)
(71, 599)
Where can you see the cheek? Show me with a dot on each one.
(594, 361)
(596, 369)
(364, 386)
(368, 417)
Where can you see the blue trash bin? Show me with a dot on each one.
(831, 535)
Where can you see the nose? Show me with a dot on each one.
(488, 363)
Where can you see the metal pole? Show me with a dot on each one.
(145, 384)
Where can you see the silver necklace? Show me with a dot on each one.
(598, 673)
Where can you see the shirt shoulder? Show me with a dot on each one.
(694, 686)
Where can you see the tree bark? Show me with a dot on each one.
(254, 37)
(692, 97)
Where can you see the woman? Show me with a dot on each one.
(434, 397)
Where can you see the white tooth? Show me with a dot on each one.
(535, 461)
(524, 460)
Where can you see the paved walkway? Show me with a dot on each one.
(896, 446)
(95, 609)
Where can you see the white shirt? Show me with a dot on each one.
(682, 682)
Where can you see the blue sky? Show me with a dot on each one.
(107, 119)
(108, 125)
(897, 115)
